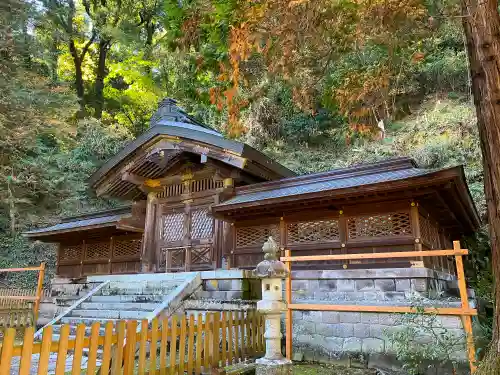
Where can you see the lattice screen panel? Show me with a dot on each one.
(127, 248)
(429, 233)
(195, 186)
(396, 224)
(201, 255)
(313, 231)
(256, 235)
(177, 257)
(205, 184)
(173, 227)
(71, 253)
(201, 224)
(97, 250)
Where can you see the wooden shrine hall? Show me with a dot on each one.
(198, 201)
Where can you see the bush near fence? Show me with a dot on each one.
(189, 344)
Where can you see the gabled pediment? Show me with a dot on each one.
(175, 141)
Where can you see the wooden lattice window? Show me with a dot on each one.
(256, 235)
(429, 233)
(313, 231)
(130, 248)
(97, 250)
(71, 252)
(396, 224)
(202, 224)
(172, 227)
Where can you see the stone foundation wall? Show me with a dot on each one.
(228, 285)
(324, 336)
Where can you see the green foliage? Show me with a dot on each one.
(423, 341)
(20, 252)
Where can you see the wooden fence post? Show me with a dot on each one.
(39, 290)
(466, 319)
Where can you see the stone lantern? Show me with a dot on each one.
(272, 272)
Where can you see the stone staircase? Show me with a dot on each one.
(128, 297)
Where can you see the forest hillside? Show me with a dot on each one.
(314, 84)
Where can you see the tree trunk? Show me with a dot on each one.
(99, 78)
(481, 23)
(79, 85)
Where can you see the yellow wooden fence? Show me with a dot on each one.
(20, 307)
(465, 312)
(189, 344)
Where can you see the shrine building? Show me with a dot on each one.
(199, 201)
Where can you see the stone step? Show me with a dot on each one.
(118, 306)
(137, 290)
(72, 330)
(110, 314)
(218, 305)
(75, 320)
(162, 285)
(122, 298)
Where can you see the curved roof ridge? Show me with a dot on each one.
(386, 165)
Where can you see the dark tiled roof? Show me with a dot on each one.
(101, 221)
(337, 182)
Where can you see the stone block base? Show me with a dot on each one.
(273, 367)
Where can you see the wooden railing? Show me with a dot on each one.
(20, 307)
(196, 345)
(465, 311)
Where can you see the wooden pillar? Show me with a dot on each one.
(148, 254)
(415, 227)
(343, 236)
(111, 251)
(289, 317)
(282, 239)
(187, 235)
(82, 257)
(217, 239)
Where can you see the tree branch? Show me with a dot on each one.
(88, 44)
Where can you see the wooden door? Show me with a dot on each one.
(186, 237)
